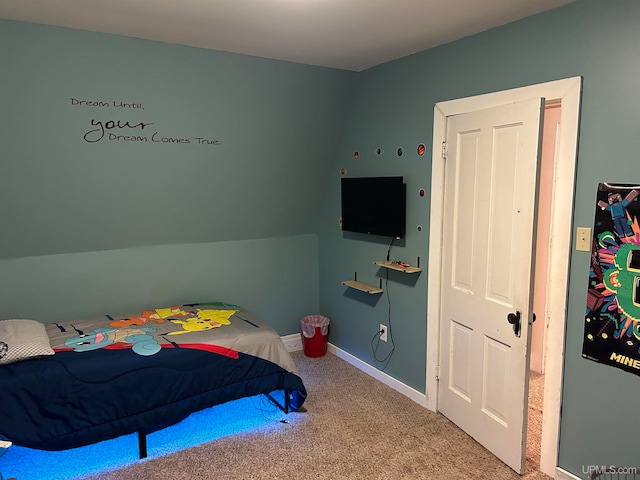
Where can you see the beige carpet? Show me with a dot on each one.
(534, 421)
(355, 428)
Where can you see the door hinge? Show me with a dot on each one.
(444, 150)
(437, 373)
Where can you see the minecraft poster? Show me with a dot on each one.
(612, 321)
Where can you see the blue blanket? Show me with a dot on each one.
(120, 374)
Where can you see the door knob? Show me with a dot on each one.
(515, 320)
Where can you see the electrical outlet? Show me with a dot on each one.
(383, 332)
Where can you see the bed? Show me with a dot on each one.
(81, 382)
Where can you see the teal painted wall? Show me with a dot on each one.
(393, 107)
(92, 221)
(256, 274)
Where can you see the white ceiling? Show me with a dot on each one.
(345, 34)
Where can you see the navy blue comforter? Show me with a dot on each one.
(87, 393)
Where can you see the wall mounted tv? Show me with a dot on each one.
(374, 205)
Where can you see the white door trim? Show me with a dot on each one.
(567, 91)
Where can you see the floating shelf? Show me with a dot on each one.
(362, 286)
(397, 266)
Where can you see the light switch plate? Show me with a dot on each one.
(583, 239)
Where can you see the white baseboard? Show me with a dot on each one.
(564, 475)
(292, 342)
(407, 391)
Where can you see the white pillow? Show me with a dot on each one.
(23, 339)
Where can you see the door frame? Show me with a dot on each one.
(567, 92)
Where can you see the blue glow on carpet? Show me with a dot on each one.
(240, 416)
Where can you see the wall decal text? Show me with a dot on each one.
(115, 103)
(120, 130)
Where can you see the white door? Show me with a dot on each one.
(487, 258)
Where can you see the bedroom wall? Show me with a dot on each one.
(136, 174)
(394, 107)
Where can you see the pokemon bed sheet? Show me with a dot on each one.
(120, 374)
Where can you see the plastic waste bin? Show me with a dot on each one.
(315, 330)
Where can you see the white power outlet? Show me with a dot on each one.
(383, 334)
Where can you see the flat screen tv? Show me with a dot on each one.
(374, 205)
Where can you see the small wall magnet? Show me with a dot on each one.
(356, 155)
(421, 149)
(379, 151)
(400, 151)
(421, 192)
(343, 171)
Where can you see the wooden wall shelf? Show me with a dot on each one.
(362, 286)
(396, 266)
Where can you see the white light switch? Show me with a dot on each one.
(583, 239)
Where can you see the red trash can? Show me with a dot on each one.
(315, 330)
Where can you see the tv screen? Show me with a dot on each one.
(374, 205)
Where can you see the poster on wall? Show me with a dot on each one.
(612, 320)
